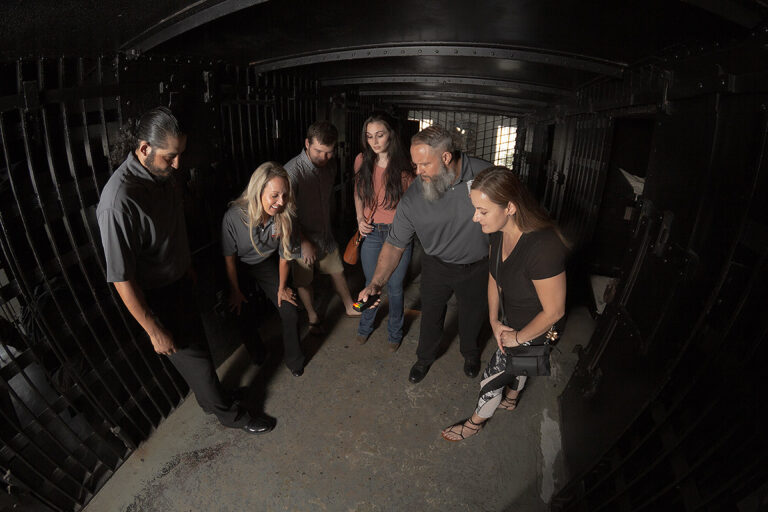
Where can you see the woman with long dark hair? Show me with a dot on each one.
(526, 282)
(383, 172)
(256, 237)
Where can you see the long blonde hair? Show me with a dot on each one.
(253, 212)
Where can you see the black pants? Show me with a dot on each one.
(266, 276)
(440, 280)
(176, 308)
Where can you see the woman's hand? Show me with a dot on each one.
(285, 294)
(236, 299)
(308, 252)
(505, 336)
(363, 226)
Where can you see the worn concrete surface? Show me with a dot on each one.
(354, 435)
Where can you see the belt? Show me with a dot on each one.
(380, 226)
(460, 266)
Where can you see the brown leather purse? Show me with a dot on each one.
(352, 252)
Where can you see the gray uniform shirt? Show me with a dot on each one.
(444, 227)
(141, 220)
(312, 188)
(236, 241)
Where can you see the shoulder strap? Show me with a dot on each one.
(498, 286)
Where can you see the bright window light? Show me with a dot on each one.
(505, 145)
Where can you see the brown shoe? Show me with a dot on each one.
(360, 339)
(393, 347)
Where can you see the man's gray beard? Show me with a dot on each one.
(435, 188)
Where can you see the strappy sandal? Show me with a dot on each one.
(462, 425)
(507, 403)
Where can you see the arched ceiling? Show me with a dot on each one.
(516, 55)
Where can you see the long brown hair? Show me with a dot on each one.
(399, 164)
(502, 187)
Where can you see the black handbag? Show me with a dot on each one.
(532, 357)
(528, 360)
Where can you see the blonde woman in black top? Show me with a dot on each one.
(527, 261)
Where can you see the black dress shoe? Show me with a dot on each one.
(259, 425)
(297, 373)
(471, 367)
(418, 372)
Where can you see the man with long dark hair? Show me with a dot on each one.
(141, 219)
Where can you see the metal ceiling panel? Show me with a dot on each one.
(604, 29)
(427, 95)
(561, 59)
(538, 50)
(470, 67)
(510, 86)
(479, 106)
(197, 14)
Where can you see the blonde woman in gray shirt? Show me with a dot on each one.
(257, 244)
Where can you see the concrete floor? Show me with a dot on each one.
(354, 435)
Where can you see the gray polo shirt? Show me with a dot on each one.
(444, 227)
(141, 220)
(236, 241)
(312, 188)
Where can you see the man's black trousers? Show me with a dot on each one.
(440, 280)
(176, 308)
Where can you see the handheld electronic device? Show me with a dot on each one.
(361, 305)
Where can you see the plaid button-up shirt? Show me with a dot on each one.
(312, 188)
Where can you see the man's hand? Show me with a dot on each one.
(286, 294)
(133, 298)
(236, 299)
(308, 252)
(162, 341)
(371, 289)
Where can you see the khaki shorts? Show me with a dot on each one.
(303, 273)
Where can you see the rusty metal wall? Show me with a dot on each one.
(81, 389)
(80, 386)
(584, 177)
(661, 413)
(264, 116)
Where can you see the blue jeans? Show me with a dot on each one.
(369, 255)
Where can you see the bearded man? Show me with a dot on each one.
(437, 209)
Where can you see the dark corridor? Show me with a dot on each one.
(642, 127)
